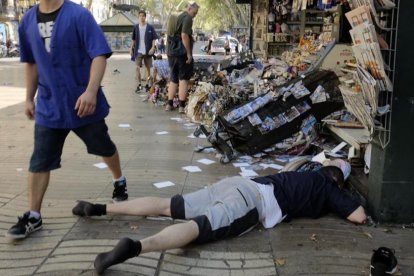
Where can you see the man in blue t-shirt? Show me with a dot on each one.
(229, 208)
(65, 54)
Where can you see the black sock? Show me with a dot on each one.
(170, 102)
(182, 103)
(124, 250)
(84, 208)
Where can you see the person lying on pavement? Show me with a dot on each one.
(231, 207)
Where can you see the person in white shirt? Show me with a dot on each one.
(143, 48)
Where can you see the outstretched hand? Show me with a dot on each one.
(86, 104)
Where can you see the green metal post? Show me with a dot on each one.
(391, 179)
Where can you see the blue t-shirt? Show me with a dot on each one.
(309, 194)
(64, 70)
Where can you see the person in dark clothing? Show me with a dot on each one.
(210, 42)
(181, 65)
(229, 208)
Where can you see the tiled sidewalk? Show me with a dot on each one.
(68, 245)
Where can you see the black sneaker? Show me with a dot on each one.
(120, 191)
(24, 226)
(139, 89)
(383, 262)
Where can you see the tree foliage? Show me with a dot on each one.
(214, 15)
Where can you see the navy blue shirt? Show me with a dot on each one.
(309, 194)
(63, 52)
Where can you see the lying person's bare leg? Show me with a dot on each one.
(174, 236)
(144, 206)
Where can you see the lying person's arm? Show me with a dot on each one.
(358, 216)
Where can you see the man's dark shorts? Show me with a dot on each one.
(180, 70)
(48, 144)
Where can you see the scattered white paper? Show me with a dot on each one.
(161, 132)
(284, 160)
(202, 136)
(124, 125)
(163, 184)
(206, 161)
(248, 173)
(383, 109)
(338, 147)
(189, 124)
(238, 165)
(209, 150)
(176, 119)
(192, 169)
(191, 136)
(273, 166)
(101, 165)
(245, 157)
(294, 158)
(264, 165)
(336, 155)
(260, 154)
(19, 169)
(320, 158)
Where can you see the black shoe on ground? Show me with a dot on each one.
(87, 209)
(139, 89)
(120, 191)
(24, 226)
(383, 262)
(124, 250)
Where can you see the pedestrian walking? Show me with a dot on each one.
(181, 63)
(65, 53)
(161, 46)
(230, 208)
(226, 46)
(143, 48)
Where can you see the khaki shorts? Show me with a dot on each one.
(147, 60)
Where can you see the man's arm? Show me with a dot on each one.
(133, 42)
(154, 38)
(31, 88)
(86, 103)
(131, 50)
(358, 216)
(186, 42)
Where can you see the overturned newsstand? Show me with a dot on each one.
(291, 112)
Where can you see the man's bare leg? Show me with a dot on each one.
(182, 90)
(120, 185)
(173, 236)
(144, 206)
(114, 165)
(172, 90)
(138, 76)
(147, 73)
(37, 185)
